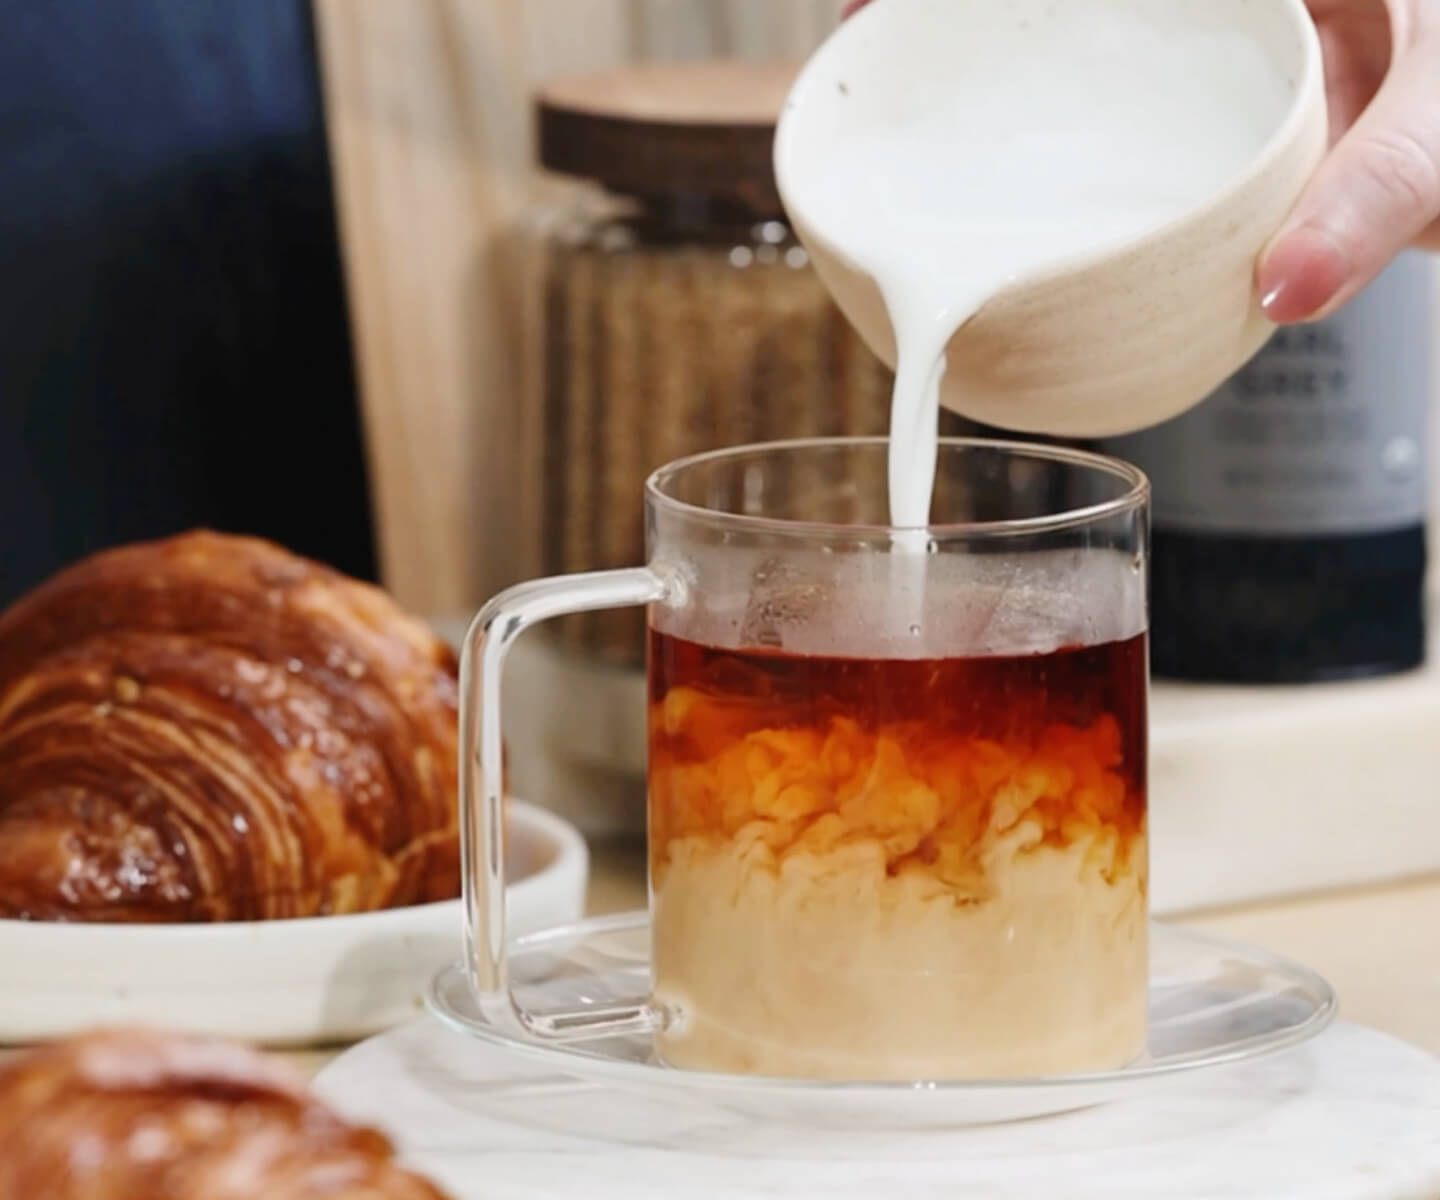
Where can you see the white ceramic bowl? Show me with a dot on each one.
(280, 983)
(1113, 342)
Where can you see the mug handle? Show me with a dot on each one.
(482, 817)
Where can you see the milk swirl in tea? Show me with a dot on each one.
(900, 868)
(882, 855)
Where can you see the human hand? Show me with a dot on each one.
(1378, 190)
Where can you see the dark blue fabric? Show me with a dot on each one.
(174, 347)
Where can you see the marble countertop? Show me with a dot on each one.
(1353, 1116)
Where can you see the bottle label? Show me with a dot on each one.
(1324, 432)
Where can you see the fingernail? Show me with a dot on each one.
(1301, 274)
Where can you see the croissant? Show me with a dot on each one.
(209, 728)
(137, 1116)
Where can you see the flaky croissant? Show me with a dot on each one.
(209, 728)
(139, 1116)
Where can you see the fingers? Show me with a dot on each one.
(1375, 194)
(853, 7)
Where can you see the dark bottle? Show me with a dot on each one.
(1289, 525)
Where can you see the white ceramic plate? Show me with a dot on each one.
(1212, 1004)
(281, 983)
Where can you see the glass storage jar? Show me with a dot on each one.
(679, 313)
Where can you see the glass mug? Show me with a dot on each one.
(896, 779)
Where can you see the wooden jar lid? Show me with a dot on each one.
(697, 128)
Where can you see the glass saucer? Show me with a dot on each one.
(1212, 1004)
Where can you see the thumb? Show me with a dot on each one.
(1375, 193)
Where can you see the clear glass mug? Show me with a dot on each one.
(896, 779)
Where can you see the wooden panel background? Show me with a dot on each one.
(430, 129)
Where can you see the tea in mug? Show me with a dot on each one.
(898, 868)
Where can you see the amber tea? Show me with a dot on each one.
(916, 867)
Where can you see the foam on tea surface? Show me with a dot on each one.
(807, 601)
